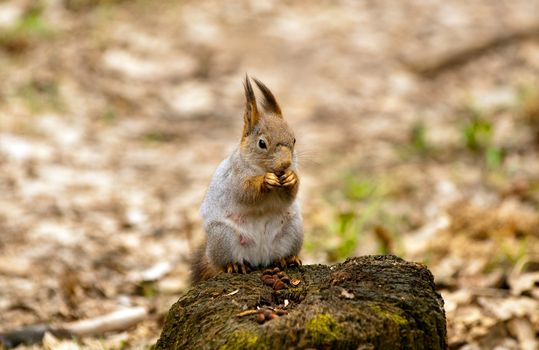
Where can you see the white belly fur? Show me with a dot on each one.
(264, 239)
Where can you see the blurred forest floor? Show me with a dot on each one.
(114, 114)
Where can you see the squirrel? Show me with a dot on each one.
(250, 211)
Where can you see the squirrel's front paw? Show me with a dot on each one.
(271, 181)
(289, 178)
(237, 268)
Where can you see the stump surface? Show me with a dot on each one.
(371, 302)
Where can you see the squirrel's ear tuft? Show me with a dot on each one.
(250, 115)
(270, 103)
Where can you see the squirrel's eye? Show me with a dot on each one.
(262, 144)
(294, 141)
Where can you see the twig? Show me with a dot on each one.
(115, 321)
(247, 313)
(432, 65)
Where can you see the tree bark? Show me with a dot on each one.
(370, 302)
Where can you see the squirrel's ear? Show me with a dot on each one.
(250, 115)
(270, 103)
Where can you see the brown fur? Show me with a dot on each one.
(270, 126)
(253, 189)
(273, 129)
(250, 115)
(292, 191)
(269, 103)
(201, 268)
(279, 139)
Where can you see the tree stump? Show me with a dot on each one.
(370, 302)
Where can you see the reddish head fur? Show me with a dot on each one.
(267, 141)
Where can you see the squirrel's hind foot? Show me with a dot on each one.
(290, 261)
(293, 260)
(243, 268)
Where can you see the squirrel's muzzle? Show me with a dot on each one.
(283, 160)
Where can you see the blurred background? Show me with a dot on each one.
(418, 134)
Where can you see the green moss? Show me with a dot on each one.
(28, 30)
(323, 329)
(387, 314)
(243, 341)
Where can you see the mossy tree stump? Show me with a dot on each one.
(371, 302)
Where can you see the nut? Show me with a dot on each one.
(260, 318)
(281, 274)
(278, 285)
(268, 280)
(273, 316)
(267, 313)
(286, 279)
(281, 312)
(276, 270)
(267, 272)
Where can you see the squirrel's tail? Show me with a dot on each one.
(201, 267)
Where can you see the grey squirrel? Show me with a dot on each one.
(251, 214)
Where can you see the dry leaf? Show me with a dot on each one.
(505, 309)
(523, 330)
(523, 282)
(50, 342)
